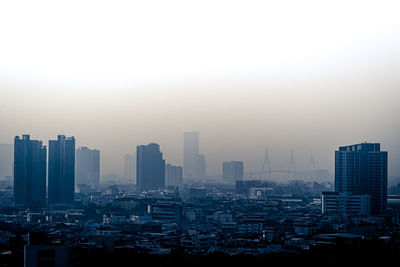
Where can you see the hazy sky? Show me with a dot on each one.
(245, 74)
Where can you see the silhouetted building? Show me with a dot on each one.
(173, 175)
(6, 160)
(194, 165)
(243, 187)
(42, 251)
(150, 167)
(61, 170)
(129, 166)
(87, 167)
(362, 169)
(29, 172)
(232, 171)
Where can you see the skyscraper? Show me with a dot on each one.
(150, 167)
(129, 166)
(173, 175)
(61, 170)
(194, 165)
(362, 169)
(87, 167)
(6, 160)
(29, 172)
(232, 171)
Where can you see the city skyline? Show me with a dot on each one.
(303, 168)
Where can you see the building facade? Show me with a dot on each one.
(150, 167)
(6, 160)
(345, 203)
(87, 167)
(29, 172)
(61, 170)
(173, 175)
(129, 166)
(362, 169)
(232, 171)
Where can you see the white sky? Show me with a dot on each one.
(125, 42)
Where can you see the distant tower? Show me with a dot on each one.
(292, 165)
(150, 167)
(129, 166)
(87, 167)
(29, 172)
(266, 164)
(232, 171)
(194, 164)
(62, 170)
(173, 176)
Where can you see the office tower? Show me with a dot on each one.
(87, 167)
(29, 172)
(232, 171)
(61, 170)
(150, 167)
(6, 160)
(129, 166)
(173, 175)
(362, 169)
(194, 165)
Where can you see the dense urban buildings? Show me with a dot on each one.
(87, 167)
(61, 175)
(362, 169)
(160, 215)
(6, 160)
(129, 166)
(29, 172)
(173, 175)
(150, 167)
(232, 171)
(194, 164)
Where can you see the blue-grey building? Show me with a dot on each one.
(150, 167)
(29, 172)
(232, 171)
(62, 170)
(362, 169)
(87, 167)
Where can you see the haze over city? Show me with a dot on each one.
(246, 76)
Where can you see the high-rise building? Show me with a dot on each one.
(232, 171)
(87, 167)
(61, 170)
(173, 175)
(362, 169)
(6, 160)
(194, 165)
(29, 172)
(150, 167)
(129, 166)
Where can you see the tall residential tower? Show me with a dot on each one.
(62, 170)
(150, 167)
(87, 167)
(29, 172)
(362, 169)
